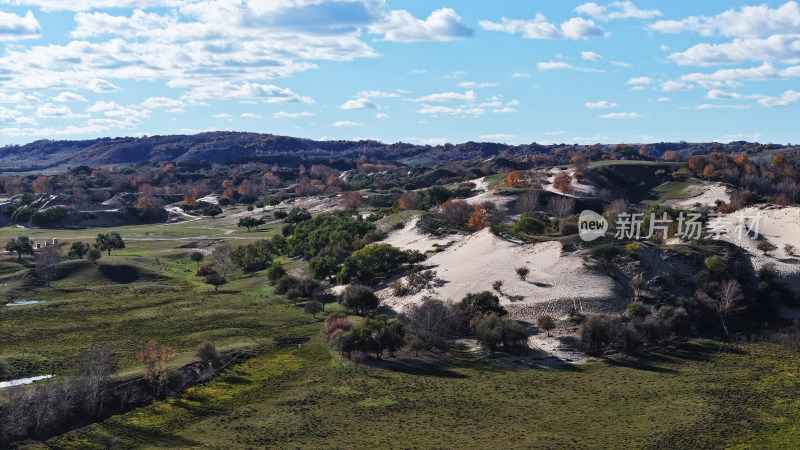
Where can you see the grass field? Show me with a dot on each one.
(694, 395)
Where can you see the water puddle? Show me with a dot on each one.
(24, 302)
(21, 381)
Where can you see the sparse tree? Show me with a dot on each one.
(730, 294)
(563, 182)
(94, 367)
(47, 263)
(456, 212)
(432, 322)
(546, 322)
(359, 298)
(560, 206)
(93, 255)
(596, 333)
(22, 245)
(216, 280)
(352, 199)
(197, 257)
(249, 223)
(498, 286)
(528, 201)
(788, 249)
(78, 249)
(224, 256)
(523, 272)
(637, 311)
(313, 307)
(110, 241)
(207, 353)
(155, 359)
(639, 285)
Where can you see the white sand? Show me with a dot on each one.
(705, 195)
(410, 238)
(476, 261)
(780, 226)
(583, 188)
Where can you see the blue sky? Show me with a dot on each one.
(413, 71)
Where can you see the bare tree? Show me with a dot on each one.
(224, 256)
(560, 206)
(47, 262)
(528, 201)
(730, 294)
(94, 366)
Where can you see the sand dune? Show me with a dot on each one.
(473, 263)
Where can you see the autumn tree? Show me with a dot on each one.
(514, 179)
(563, 182)
(410, 200)
(456, 212)
(155, 359)
(352, 199)
(479, 218)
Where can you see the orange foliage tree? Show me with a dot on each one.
(352, 199)
(479, 218)
(563, 182)
(410, 200)
(514, 179)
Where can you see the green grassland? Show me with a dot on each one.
(692, 395)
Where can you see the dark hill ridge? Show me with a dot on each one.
(240, 146)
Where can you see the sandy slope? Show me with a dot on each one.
(473, 263)
(705, 195)
(410, 238)
(780, 226)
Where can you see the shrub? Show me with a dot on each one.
(716, 264)
(605, 252)
(629, 339)
(634, 249)
(275, 272)
(432, 322)
(293, 294)
(481, 303)
(530, 223)
(637, 311)
(285, 283)
(379, 335)
(492, 331)
(766, 247)
(336, 325)
(49, 217)
(207, 353)
(522, 272)
(568, 227)
(359, 298)
(596, 333)
(203, 271)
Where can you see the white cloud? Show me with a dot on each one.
(591, 56)
(264, 92)
(139, 23)
(520, 75)
(780, 47)
(15, 117)
(499, 137)
(101, 86)
(442, 25)
(222, 116)
(539, 28)
(555, 133)
(359, 103)
(84, 5)
(503, 110)
(113, 109)
(617, 10)
(251, 116)
(376, 94)
(163, 103)
(602, 104)
(14, 27)
(672, 86)
(19, 97)
(346, 123)
(621, 64)
(66, 97)
(710, 106)
(427, 141)
(446, 110)
(664, 99)
(731, 77)
(640, 81)
(52, 111)
(716, 94)
(472, 84)
(468, 96)
(749, 21)
(784, 99)
(561, 65)
(288, 115)
(381, 116)
(632, 115)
